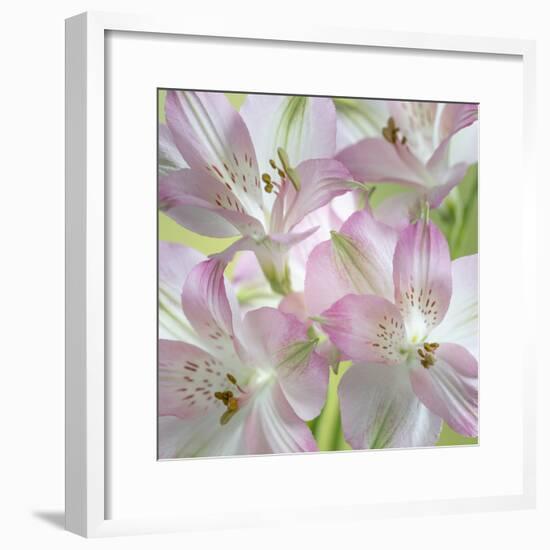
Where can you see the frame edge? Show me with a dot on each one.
(75, 274)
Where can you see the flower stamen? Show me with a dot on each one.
(284, 171)
(427, 355)
(228, 398)
(391, 133)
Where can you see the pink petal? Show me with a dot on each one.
(175, 263)
(422, 278)
(380, 410)
(366, 328)
(170, 158)
(324, 283)
(327, 218)
(190, 415)
(447, 176)
(455, 117)
(207, 306)
(464, 146)
(273, 426)
(202, 204)
(377, 160)
(450, 177)
(461, 322)
(320, 181)
(358, 119)
(449, 388)
(271, 251)
(246, 269)
(304, 126)
(212, 137)
(358, 260)
(416, 122)
(399, 210)
(294, 304)
(201, 437)
(278, 343)
(188, 378)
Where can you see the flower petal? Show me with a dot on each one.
(212, 137)
(251, 288)
(399, 210)
(416, 121)
(450, 178)
(206, 302)
(422, 278)
(456, 116)
(188, 379)
(203, 436)
(461, 323)
(358, 260)
(175, 263)
(170, 158)
(294, 304)
(464, 146)
(324, 283)
(449, 388)
(380, 410)
(271, 252)
(305, 127)
(274, 427)
(327, 218)
(320, 181)
(366, 328)
(278, 343)
(454, 119)
(199, 202)
(359, 118)
(377, 160)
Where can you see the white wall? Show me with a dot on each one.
(31, 271)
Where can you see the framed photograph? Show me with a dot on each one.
(294, 291)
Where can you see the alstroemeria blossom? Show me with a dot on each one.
(419, 147)
(254, 174)
(395, 304)
(245, 385)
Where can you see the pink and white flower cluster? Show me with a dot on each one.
(319, 276)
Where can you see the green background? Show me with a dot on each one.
(457, 218)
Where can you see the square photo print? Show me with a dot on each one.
(317, 274)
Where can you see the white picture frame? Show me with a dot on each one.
(88, 479)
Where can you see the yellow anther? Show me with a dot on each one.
(226, 417)
(233, 404)
(231, 378)
(430, 347)
(272, 163)
(266, 178)
(390, 131)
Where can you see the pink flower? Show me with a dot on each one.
(396, 305)
(256, 173)
(244, 385)
(423, 146)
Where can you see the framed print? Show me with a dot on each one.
(287, 277)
